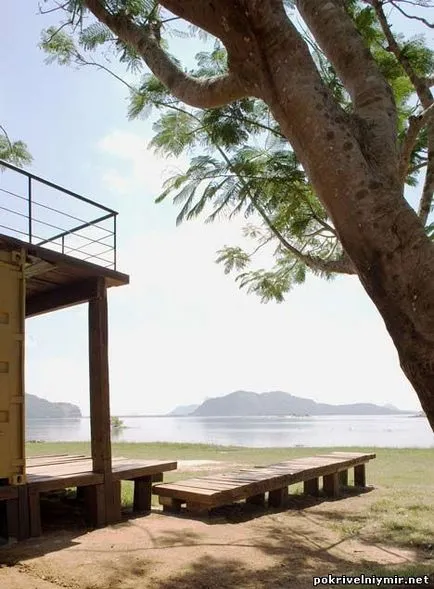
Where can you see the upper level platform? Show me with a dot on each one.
(69, 241)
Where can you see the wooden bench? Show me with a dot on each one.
(202, 494)
(65, 471)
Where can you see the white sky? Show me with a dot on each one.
(182, 330)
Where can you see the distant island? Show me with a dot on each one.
(183, 410)
(37, 408)
(246, 403)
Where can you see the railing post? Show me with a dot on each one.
(114, 240)
(63, 244)
(30, 209)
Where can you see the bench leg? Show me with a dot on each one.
(311, 487)
(170, 504)
(115, 507)
(197, 508)
(331, 484)
(35, 513)
(360, 475)
(278, 497)
(343, 478)
(94, 502)
(256, 499)
(142, 494)
(12, 519)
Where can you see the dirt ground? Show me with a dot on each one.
(238, 547)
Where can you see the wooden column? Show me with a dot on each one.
(278, 497)
(311, 487)
(343, 478)
(360, 475)
(100, 404)
(331, 484)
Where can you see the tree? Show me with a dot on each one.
(345, 125)
(15, 152)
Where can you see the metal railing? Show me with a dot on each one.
(45, 214)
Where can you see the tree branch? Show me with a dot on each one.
(416, 124)
(419, 18)
(426, 201)
(421, 86)
(198, 92)
(338, 37)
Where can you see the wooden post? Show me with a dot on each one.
(142, 494)
(100, 404)
(311, 487)
(360, 475)
(343, 478)
(258, 499)
(278, 497)
(169, 504)
(94, 505)
(331, 484)
(35, 513)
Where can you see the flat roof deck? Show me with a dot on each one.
(55, 280)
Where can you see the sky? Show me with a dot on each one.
(182, 331)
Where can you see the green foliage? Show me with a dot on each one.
(116, 423)
(240, 163)
(14, 152)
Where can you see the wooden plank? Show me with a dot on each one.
(61, 297)
(38, 456)
(331, 484)
(311, 487)
(360, 475)
(278, 497)
(100, 394)
(64, 482)
(54, 460)
(127, 471)
(142, 494)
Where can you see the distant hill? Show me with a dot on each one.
(183, 410)
(280, 403)
(37, 408)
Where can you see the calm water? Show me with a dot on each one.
(387, 431)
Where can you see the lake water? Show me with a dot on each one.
(393, 431)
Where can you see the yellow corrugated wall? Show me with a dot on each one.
(12, 317)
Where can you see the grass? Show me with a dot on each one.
(400, 512)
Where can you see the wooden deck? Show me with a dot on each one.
(54, 473)
(204, 493)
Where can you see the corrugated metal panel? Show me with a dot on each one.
(12, 314)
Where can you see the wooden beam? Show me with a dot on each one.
(37, 268)
(100, 398)
(59, 298)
